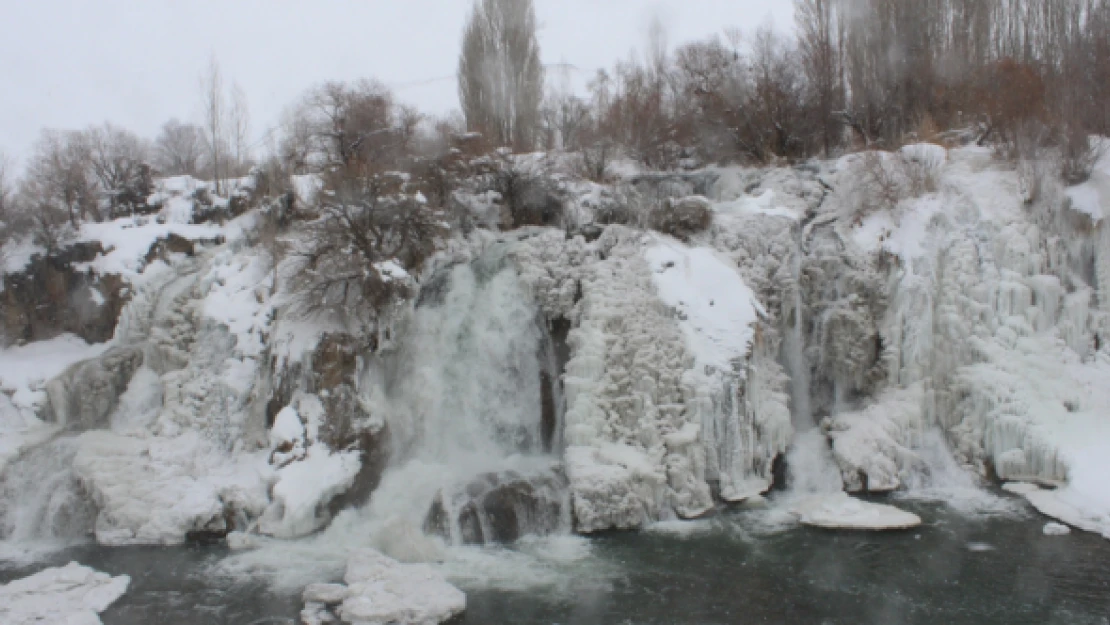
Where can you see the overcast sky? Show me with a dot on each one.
(71, 63)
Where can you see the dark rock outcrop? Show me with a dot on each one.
(500, 507)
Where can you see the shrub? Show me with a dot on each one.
(682, 218)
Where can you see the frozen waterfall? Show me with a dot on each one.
(41, 500)
(473, 402)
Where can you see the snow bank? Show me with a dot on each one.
(839, 511)
(72, 594)
(381, 590)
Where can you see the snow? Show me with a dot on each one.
(1055, 529)
(717, 310)
(71, 595)
(16, 254)
(380, 590)
(1092, 198)
(127, 241)
(23, 372)
(306, 187)
(762, 204)
(305, 487)
(154, 490)
(839, 511)
(287, 427)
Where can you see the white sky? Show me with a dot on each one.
(72, 63)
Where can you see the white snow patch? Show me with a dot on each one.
(716, 308)
(127, 241)
(304, 487)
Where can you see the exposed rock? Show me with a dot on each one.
(500, 508)
(52, 295)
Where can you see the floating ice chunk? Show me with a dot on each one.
(1056, 529)
(979, 547)
(1020, 488)
(71, 595)
(381, 590)
(839, 511)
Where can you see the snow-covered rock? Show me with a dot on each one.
(157, 490)
(68, 595)
(379, 591)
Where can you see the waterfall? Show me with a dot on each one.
(793, 347)
(41, 500)
(473, 401)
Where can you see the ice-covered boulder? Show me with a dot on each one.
(379, 590)
(71, 595)
(158, 491)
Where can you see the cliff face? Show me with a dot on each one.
(950, 330)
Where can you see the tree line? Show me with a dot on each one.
(1020, 75)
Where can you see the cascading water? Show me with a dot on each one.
(810, 467)
(793, 347)
(41, 501)
(465, 397)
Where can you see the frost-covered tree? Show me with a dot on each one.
(500, 74)
(178, 148)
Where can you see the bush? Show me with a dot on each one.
(682, 218)
(530, 196)
(1078, 156)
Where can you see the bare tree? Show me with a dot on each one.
(119, 160)
(59, 177)
(238, 129)
(178, 148)
(500, 74)
(215, 113)
(371, 227)
(6, 207)
(820, 35)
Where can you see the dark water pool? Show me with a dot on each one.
(955, 569)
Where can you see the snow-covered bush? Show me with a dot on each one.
(529, 194)
(682, 218)
(1078, 156)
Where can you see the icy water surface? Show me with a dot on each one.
(735, 569)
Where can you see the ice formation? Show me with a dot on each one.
(841, 511)
(378, 589)
(593, 378)
(72, 594)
